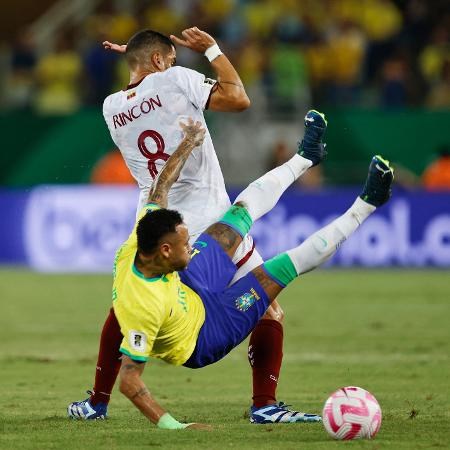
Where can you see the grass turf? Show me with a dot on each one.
(386, 331)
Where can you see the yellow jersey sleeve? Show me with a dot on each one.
(140, 329)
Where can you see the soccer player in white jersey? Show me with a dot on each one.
(143, 121)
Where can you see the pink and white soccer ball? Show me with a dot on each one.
(352, 413)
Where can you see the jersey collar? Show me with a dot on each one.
(152, 280)
(133, 85)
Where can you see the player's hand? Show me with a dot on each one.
(114, 47)
(193, 132)
(199, 426)
(195, 39)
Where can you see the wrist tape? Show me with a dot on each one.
(213, 52)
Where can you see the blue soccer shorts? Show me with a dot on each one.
(231, 312)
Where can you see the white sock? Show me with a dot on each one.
(263, 194)
(320, 246)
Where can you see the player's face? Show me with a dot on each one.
(180, 249)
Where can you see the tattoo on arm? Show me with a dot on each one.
(240, 85)
(170, 173)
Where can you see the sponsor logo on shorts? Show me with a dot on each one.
(196, 251)
(244, 302)
(138, 340)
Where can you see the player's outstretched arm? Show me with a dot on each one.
(229, 93)
(132, 386)
(193, 137)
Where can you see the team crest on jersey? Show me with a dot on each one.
(138, 340)
(131, 95)
(246, 301)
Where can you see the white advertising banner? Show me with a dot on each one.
(77, 228)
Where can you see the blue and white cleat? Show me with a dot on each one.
(312, 147)
(279, 413)
(85, 411)
(377, 189)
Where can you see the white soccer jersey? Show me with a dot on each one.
(144, 124)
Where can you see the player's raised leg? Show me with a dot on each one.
(265, 348)
(265, 351)
(263, 194)
(320, 246)
(317, 249)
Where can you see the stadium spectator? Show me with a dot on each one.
(20, 82)
(338, 51)
(346, 54)
(393, 82)
(58, 76)
(435, 54)
(101, 66)
(439, 96)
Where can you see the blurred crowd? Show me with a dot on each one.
(289, 53)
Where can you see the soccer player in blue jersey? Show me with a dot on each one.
(175, 303)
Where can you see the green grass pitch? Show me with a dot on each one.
(386, 331)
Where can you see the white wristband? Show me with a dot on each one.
(213, 52)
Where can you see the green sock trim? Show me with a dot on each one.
(238, 218)
(281, 268)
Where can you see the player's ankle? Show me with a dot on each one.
(99, 397)
(260, 402)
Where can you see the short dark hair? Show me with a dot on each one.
(143, 43)
(153, 226)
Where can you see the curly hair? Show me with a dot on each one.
(155, 225)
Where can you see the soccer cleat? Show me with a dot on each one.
(85, 411)
(377, 189)
(279, 413)
(312, 147)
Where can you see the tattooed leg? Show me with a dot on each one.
(271, 288)
(227, 237)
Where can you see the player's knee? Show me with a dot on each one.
(124, 385)
(274, 312)
(240, 204)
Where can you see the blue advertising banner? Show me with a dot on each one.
(78, 228)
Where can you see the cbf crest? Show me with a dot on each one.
(247, 300)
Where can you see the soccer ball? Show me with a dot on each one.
(352, 413)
